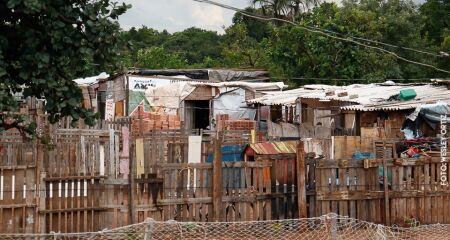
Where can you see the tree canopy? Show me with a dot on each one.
(296, 52)
(290, 51)
(44, 45)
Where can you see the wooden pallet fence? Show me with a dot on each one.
(247, 193)
(355, 188)
(17, 184)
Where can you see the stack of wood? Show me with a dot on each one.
(146, 121)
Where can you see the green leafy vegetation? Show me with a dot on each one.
(44, 45)
(291, 52)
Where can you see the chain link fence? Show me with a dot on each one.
(329, 226)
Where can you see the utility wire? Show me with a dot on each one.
(319, 31)
(381, 43)
(442, 54)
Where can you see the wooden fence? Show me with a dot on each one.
(89, 180)
(60, 185)
(186, 193)
(356, 188)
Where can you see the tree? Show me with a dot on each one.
(256, 28)
(46, 44)
(295, 52)
(159, 58)
(194, 47)
(137, 39)
(240, 49)
(194, 44)
(284, 8)
(437, 19)
(436, 26)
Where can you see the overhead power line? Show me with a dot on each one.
(324, 32)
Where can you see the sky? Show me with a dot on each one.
(177, 15)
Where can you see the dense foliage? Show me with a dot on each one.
(192, 47)
(290, 51)
(44, 45)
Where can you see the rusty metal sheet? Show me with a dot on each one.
(268, 148)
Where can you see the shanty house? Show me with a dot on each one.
(373, 113)
(371, 109)
(280, 154)
(280, 112)
(199, 103)
(119, 95)
(282, 176)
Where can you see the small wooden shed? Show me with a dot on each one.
(282, 155)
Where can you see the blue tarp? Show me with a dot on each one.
(433, 112)
(233, 153)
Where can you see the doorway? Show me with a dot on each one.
(197, 114)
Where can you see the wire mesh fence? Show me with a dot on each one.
(330, 226)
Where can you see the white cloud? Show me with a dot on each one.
(177, 15)
(210, 16)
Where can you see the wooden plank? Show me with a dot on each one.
(439, 199)
(434, 210)
(294, 189)
(379, 194)
(393, 202)
(352, 187)
(325, 187)
(333, 187)
(402, 210)
(427, 199)
(260, 208)
(361, 185)
(301, 183)
(312, 187)
(343, 205)
(386, 194)
(217, 180)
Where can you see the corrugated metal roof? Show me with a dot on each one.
(286, 98)
(274, 147)
(372, 97)
(255, 86)
(365, 97)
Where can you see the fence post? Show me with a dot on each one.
(217, 180)
(333, 227)
(386, 193)
(148, 229)
(41, 193)
(301, 187)
(132, 174)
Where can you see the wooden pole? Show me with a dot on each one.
(217, 180)
(131, 176)
(127, 95)
(333, 227)
(386, 194)
(131, 155)
(301, 186)
(41, 225)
